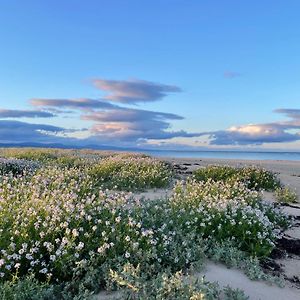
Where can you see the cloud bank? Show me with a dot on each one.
(19, 132)
(112, 122)
(81, 103)
(15, 113)
(258, 134)
(134, 91)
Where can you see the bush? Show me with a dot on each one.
(16, 166)
(229, 211)
(26, 289)
(259, 178)
(131, 173)
(253, 177)
(55, 157)
(215, 173)
(168, 286)
(164, 286)
(51, 224)
(41, 155)
(286, 195)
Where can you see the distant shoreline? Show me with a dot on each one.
(193, 154)
(235, 155)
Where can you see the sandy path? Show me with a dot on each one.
(256, 290)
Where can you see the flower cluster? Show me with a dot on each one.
(253, 177)
(16, 166)
(286, 195)
(55, 221)
(229, 210)
(131, 172)
(52, 222)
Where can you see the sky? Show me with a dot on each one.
(163, 74)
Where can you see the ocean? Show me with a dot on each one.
(294, 156)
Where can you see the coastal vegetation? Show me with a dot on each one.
(131, 172)
(286, 195)
(253, 177)
(71, 227)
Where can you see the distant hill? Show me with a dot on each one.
(62, 146)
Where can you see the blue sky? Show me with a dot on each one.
(212, 74)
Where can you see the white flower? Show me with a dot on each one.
(75, 232)
(100, 249)
(17, 265)
(44, 270)
(52, 257)
(80, 245)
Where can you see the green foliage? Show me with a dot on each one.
(131, 173)
(51, 223)
(41, 155)
(26, 289)
(234, 294)
(58, 226)
(16, 166)
(228, 253)
(55, 157)
(167, 286)
(259, 178)
(286, 195)
(253, 177)
(215, 173)
(164, 286)
(229, 211)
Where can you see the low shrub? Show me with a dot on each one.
(41, 155)
(215, 173)
(286, 195)
(253, 177)
(168, 286)
(17, 166)
(131, 173)
(53, 223)
(226, 252)
(259, 178)
(229, 211)
(164, 286)
(26, 289)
